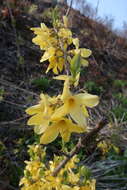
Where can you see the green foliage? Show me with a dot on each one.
(42, 83)
(120, 83)
(120, 110)
(121, 98)
(75, 65)
(85, 172)
(92, 87)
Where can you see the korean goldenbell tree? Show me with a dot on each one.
(59, 115)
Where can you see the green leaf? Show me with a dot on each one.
(75, 65)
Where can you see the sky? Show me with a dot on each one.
(117, 9)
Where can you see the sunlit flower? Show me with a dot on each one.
(85, 53)
(44, 37)
(34, 169)
(90, 185)
(66, 35)
(75, 105)
(56, 62)
(41, 113)
(54, 43)
(63, 126)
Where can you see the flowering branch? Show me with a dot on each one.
(61, 115)
(83, 142)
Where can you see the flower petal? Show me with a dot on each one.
(84, 63)
(41, 128)
(61, 77)
(49, 53)
(35, 120)
(78, 116)
(85, 112)
(50, 135)
(65, 135)
(64, 130)
(55, 70)
(34, 109)
(50, 66)
(60, 64)
(66, 90)
(60, 112)
(74, 128)
(76, 42)
(87, 99)
(85, 52)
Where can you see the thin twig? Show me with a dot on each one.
(69, 8)
(6, 83)
(14, 121)
(14, 28)
(14, 104)
(83, 142)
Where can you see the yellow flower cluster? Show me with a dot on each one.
(37, 176)
(62, 114)
(54, 42)
(105, 146)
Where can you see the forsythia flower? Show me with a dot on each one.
(41, 114)
(75, 105)
(63, 126)
(56, 62)
(50, 115)
(38, 177)
(44, 37)
(54, 43)
(34, 168)
(66, 35)
(90, 185)
(85, 53)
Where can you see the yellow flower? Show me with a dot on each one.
(68, 77)
(48, 54)
(71, 164)
(49, 41)
(85, 53)
(41, 113)
(44, 38)
(66, 187)
(25, 181)
(73, 178)
(90, 185)
(34, 168)
(75, 105)
(63, 126)
(66, 35)
(56, 62)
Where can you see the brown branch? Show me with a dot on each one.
(69, 8)
(6, 83)
(14, 121)
(83, 142)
